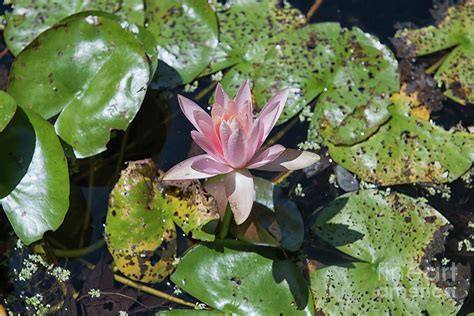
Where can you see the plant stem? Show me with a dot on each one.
(226, 222)
(205, 91)
(73, 253)
(313, 9)
(431, 69)
(123, 146)
(151, 291)
(283, 131)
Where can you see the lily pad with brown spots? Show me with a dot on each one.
(142, 218)
(456, 33)
(408, 150)
(350, 72)
(389, 237)
(186, 33)
(30, 18)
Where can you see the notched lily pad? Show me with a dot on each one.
(243, 279)
(141, 235)
(456, 32)
(274, 221)
(408, 150)
(389, 236)
(95, 78)
(7, 109)
(142, 218)
(34, 180)
(30, 18)
(186, 34)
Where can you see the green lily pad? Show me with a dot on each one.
(140, 234)
(455, 31)
(352, 72)
(389, 236)
(186, 34)
(37, 177)
(274, 221)
(7, 109)
(95, 79)
(239, 278)
(408, 150)
(30, 18)
(190, 312)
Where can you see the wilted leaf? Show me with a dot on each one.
(140, 234)
(34, 188)
(243, 279)
(194, 211)
(408, 150)
(274, 221)
(7, 109)
(95, 79)
(186, 33)
(388, 235)
(456, 32)
(143, 211)
(30, 18)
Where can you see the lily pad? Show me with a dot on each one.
(140, 234)
(194, 211)
(142, 218)
(7, 109)
(408, 150)
(456, 32)
(237, 278)
(30, 18)
(37, 178)
(388, 235)
(351, 71)
(186, 34)
(274, 221)
(95, 79)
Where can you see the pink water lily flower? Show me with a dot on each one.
(232, 140)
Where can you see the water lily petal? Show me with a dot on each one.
(210, 146)
(271, 112)
(243, 99)
(216, 187)
(254, 140)
(235, 153)
(221, 96)
(291, 159)
(210, 166)
(266, 156)
(188, 169)
(196, 115)
(239, 189)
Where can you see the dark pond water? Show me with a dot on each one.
(161, 131)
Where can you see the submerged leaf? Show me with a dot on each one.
(408, 150)
(7, 109)
(388, 236)
(456, 32)
(34, 187)
(30, 18)
(186, 34)
(95, 79)
(243, 279)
